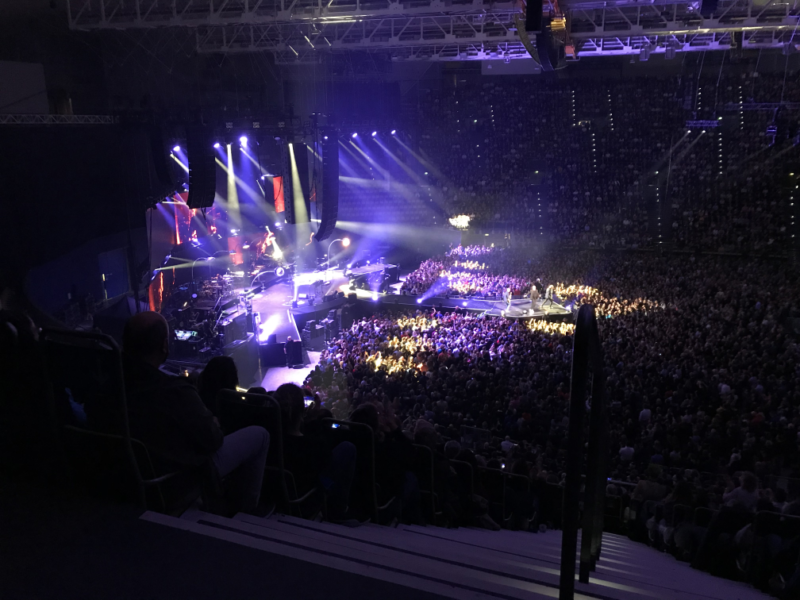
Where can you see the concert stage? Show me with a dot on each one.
(301, 309)
(521, 308)
(275, 304)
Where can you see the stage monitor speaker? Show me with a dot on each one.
(202, 167)
(533, 16)
(272, 355)
(328, 201)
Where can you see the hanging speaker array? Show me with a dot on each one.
(202, 167)
(294, 172)
(328, 201)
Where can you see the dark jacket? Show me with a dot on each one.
(305, 456)
(167, 414)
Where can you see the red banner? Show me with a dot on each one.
(277, 186)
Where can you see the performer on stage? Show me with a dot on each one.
(534, 295)
(507, 296)
(539, 286)
(548, 295)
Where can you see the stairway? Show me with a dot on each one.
(464, 563)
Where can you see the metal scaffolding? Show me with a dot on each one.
(57, 119)
(300, 30)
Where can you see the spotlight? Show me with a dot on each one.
(243, 141)
(374, 133)
(374, 296)
(326, 137)
(346, 242)
(355, 135)
(176, 149)
(464, 303)
(419, 300)
(277, 223)
(216, 144)
(394, 131)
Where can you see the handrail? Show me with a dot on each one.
(587, 355)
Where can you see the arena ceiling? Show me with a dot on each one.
(300, 31)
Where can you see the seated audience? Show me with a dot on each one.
(219, 374)
(311, 459)
(168, 415)
(745, 496)
(394, 458)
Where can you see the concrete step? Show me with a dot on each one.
(468, 563)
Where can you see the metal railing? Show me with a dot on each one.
(587, 365)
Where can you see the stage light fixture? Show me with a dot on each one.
(374, 133)
(355, 135)
(346, 242)
(374, 296)
(419, 300)
(243, 141)
(394, 131)
(325, 138)
(216, 144)
(464, 303)
(176, 148)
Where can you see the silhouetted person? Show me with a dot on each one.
(167, 414)
(219, 374)
(312, 460)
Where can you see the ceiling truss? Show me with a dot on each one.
(448, 30)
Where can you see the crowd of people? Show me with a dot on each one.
(701, 351)
(701, 357)
(485, 275)
(615, 164)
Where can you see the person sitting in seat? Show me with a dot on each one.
(168, 416)
(219, 374)
(311, 460)
(394, 459)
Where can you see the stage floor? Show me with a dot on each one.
(274, 306)
(519, 309)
